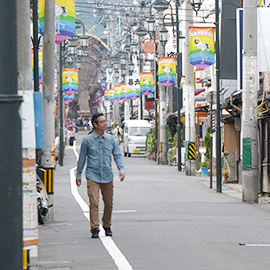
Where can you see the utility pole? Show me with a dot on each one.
(47, 160)
(60, 103)
(250, 100)
(11, 146)
(188, 88)
(162, 106)
(28, 151)
(179, 90)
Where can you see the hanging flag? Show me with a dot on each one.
(68, 98)
(133, 87)
(107, 94)
(102, 86)
(147, 83)
(198, 91)
(117, 93)
(124, 92)
(201, 47)
(167, 70)
(69, 80)
(64, 19)
(111, 95)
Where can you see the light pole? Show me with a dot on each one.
(163, 38)
(141, 32)
(151, 28)
(196, 4)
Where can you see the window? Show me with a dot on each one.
(139, 131)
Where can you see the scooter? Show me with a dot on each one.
(42, 200)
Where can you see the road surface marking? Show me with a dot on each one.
(254, 245)
(119, 259)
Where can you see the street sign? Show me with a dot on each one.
(160, 5)
(149, 46)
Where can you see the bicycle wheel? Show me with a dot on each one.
(171, 157)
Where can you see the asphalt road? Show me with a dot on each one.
(162, 220)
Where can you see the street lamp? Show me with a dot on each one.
(133, 47)
(151, 26)
(196, 5)
(84, 42)
(72, 49)
(163, 36)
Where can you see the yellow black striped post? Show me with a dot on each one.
(191, 151)
(26, 259)
(49, 180)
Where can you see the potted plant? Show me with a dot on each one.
(204, 166)
(225, 171)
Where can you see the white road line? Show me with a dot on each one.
(255, 245)
(119, 259)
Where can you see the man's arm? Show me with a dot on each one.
(118, 159)
(81, 161)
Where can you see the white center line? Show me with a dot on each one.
(119, 259)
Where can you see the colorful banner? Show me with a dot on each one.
(201, 47)
(64, 19)
(167, 70)
(102, 86)
(147, 83)
(117, 92)
(124, 92)
(39, 65)
(107, 94)
(69, 80)
(133, 87)
(111, 95)
(68, 99)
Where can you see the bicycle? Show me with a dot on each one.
(172, 156)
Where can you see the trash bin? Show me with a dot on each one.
(204, 171)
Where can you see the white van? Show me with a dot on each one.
(135, 132)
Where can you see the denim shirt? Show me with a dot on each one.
(99, 157)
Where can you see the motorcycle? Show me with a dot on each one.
(42, 200)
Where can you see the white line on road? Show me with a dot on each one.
(119, 259)
(254, 245)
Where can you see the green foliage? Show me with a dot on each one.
(206, 144)
(169, 136)
(150, 142)
(204, 164)
(224, 170)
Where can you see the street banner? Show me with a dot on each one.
(111, 95)
(133, 87)
(147, 83)
(201, 47)
(167, 70)
(69, 80)
(102, 86)
(107, 94)
(39, 65)
(124, 92)
(117, 93)
(68, 99)
(64, 19)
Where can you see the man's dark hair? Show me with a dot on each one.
(95, 118)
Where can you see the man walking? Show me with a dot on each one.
(98, 147)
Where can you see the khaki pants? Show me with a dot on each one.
(107, 196)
